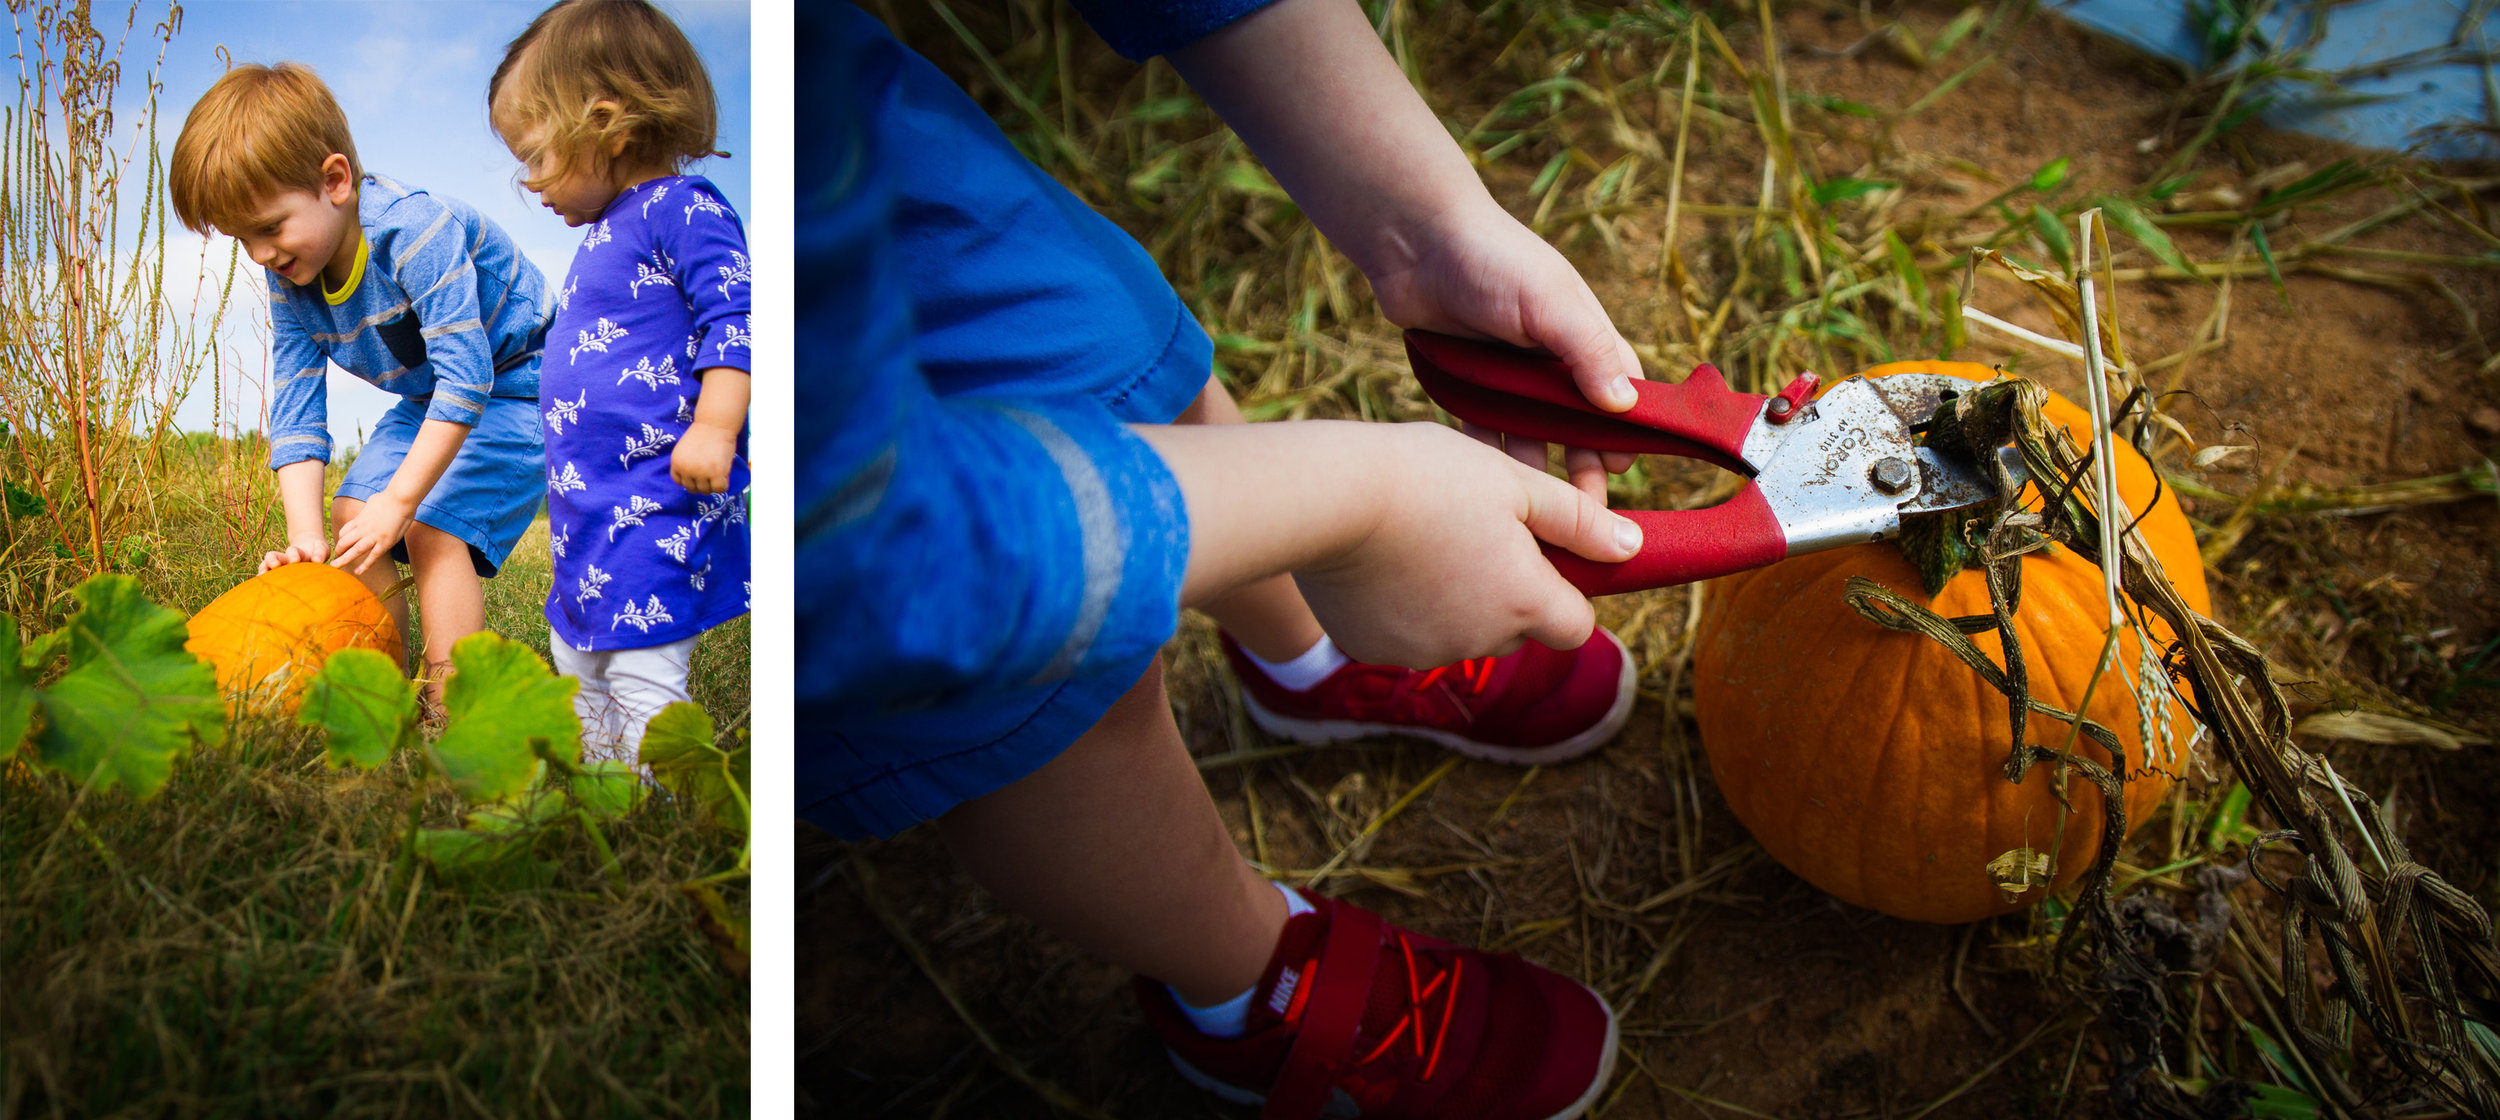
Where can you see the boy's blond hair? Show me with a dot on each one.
(581, 52)
(259, 131)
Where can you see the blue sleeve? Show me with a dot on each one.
(946, 547)
(429, 256)
(1142, 29)
(299, 385)
(709, 251)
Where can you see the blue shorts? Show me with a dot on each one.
(489, 494)
(1018, 290)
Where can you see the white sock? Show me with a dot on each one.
(1229, 1018)
(1302, 672)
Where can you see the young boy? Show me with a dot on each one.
(419, 295)
(997, 529)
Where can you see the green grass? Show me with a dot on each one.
(256, 942)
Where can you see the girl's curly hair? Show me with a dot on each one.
(581, 53)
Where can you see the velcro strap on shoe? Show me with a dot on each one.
(1324, 1044)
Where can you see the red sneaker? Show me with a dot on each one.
(1358, 1018)
(1535, 705)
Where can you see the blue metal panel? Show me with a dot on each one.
(2435, 79)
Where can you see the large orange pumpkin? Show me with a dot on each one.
(272, 632)
(1871, 762)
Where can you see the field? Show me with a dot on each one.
(1771, 189)
(258, 940)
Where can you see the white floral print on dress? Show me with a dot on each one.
(664, 373)
(675, 544)
(560, 413)
(589, 585)
(641, 507)
(596, 338)
(643, 619)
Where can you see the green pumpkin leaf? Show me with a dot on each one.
(39, 653)
(133, 700)
(677, 746)
(608, 789)
(501, 696)
(21, 501)
(478, 861)
(17, 692)
(365, 706)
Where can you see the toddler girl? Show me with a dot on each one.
(644, 392)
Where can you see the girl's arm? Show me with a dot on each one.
(708, 251)
(386, 515)
(703, 456)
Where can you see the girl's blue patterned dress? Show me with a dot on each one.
(657, 291)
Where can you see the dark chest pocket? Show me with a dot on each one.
(406, 338)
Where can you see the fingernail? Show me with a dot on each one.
(1623, 392)
(1628, 534)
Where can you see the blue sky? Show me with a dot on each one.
(412, 78)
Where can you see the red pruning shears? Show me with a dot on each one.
(1822, 472)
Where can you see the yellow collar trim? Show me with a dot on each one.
(355, 275)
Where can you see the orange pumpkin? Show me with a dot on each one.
(272, 632)
(1871, 762)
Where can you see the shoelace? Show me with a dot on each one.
(1413, 701)
(1476, 671)
(1416, 994)
(1443, 984)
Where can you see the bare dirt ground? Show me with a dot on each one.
(1753, 993)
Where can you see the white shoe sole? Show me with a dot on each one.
(1605, 1075)
(1339, 730)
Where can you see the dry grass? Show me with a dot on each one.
(1769, 190)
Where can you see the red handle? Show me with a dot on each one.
(1684, 546)
(1532, 395)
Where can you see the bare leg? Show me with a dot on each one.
(1115, 846)
(379, 575)
(1269, 617)
(453, 598)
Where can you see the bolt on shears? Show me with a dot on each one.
(1821, 472)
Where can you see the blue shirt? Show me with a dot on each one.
(444, 306)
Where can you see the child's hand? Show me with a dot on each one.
(309, 549)
(1413, 544)
(371, 533)
(1451, 569)
(1481, 274)
(702, 459)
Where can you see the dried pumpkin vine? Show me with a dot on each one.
(2371, 907)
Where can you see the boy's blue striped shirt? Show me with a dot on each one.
(447, 309)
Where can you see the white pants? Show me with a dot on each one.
(621, 690)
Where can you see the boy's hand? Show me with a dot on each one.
(1481, 274)
(1451, 569)
(702, 459)
(312, 549)
(377, 527)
